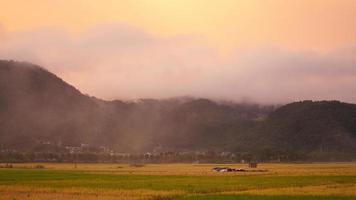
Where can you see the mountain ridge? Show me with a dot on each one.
(36, 105)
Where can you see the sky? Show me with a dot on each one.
(266, 51)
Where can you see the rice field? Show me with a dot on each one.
(330, 181)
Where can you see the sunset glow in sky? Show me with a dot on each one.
(284, 50)
(308, 24)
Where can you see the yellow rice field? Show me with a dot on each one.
(175, 181)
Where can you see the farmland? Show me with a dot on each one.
(332, 181)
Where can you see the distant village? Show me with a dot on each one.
(46, 151)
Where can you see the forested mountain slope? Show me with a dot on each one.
(37, 106)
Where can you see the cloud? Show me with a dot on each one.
(277, 75)
(118, 61)
(2, 32)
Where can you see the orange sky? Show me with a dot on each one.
(225, 24)
(267, 51)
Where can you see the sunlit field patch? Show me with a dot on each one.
(32, 193)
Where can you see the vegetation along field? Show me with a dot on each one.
(30, 181)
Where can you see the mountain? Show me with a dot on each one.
(316, 129)
(37, 107)
(35, 104)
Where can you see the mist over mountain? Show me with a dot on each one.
(118, 61)
(36, 106)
